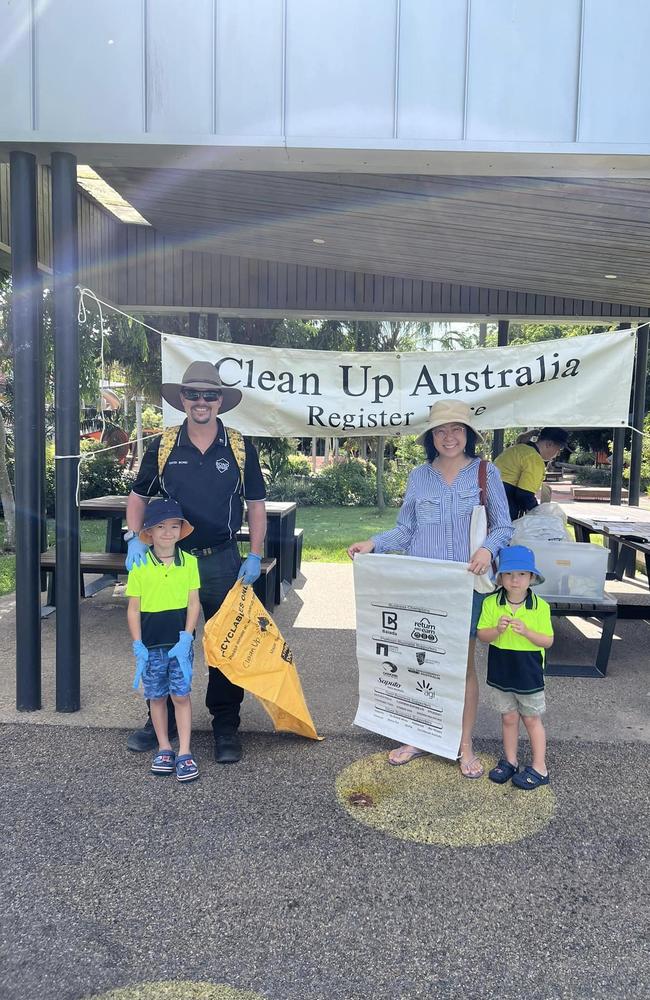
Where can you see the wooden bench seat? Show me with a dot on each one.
(111, 565)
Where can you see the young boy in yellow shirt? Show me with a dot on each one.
(517, 625)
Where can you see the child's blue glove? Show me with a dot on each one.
(141, 654)
(136, 554)
(250, 569)
(182, 651)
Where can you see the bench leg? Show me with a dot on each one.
(605, 644)
(49, 607)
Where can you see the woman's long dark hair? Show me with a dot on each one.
(432, 451)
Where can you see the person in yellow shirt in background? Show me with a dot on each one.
(523, 468)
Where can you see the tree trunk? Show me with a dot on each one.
(6, 492)
(381, 502)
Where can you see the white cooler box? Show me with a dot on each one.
(570, 569)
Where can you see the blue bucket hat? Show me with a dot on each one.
(159, 510)
(517, 558)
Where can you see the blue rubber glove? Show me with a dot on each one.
(136, 554)
(182, 651)
(250, 569)
(141, 654)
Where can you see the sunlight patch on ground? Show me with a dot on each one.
(176, 990)
(430, 802)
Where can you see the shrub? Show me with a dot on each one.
(588, 476)
(583, 458)
(348, 484)
(297, 488)
(299, 465)
(395, 479)
(101, 475)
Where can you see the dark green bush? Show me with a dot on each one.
(588, 476)
(99, 476)
(395, 479)
(583, 458)
(299, 465)
(297, 488)
(348, 484)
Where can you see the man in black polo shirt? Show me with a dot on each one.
(203, 473)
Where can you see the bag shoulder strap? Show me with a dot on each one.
(167, 441)
(482, 481)
(170, 435)
(236, 442)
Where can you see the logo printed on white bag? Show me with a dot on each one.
(424, 630)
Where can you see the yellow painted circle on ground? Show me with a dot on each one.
(430, 802)
(177, 990)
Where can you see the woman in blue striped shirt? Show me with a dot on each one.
(434, 522)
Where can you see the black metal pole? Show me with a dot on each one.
(638, 413)
(502, 341)
(26, 287)
(41, 425)
(618, 447)
(66, 387)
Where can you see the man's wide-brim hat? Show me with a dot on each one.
(448, 411)
(200, 375)
(161, 509)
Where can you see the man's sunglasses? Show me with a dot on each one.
(209, 395)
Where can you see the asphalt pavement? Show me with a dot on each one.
(260, 880)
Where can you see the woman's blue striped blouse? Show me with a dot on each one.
(434, 518)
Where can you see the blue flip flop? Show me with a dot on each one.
(529, 778)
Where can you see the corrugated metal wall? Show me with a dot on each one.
(330, 72)
(99, 234)
(135, 266)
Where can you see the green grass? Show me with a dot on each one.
(93, 539)
(329, 530)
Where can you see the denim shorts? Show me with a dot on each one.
(163, 676)
(477, 607)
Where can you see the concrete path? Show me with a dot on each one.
(263, 878)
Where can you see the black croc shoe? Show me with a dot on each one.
(503, 771)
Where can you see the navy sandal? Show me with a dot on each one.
(186, 768)
(164, 762)
(529, 779)
(503, 771)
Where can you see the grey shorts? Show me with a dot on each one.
(525, 704)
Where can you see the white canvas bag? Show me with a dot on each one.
(478, 531)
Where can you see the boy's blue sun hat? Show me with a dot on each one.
(159, 510)
(518, 558)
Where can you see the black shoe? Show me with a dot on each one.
(227, 749)
(145, 739)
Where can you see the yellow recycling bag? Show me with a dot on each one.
(243, 641)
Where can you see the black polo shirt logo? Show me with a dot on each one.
(222, 465)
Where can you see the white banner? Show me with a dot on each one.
(413, 618)
(575, 382)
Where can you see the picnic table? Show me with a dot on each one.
(625, 530)
(281, 562)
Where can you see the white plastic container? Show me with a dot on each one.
(570, 569)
